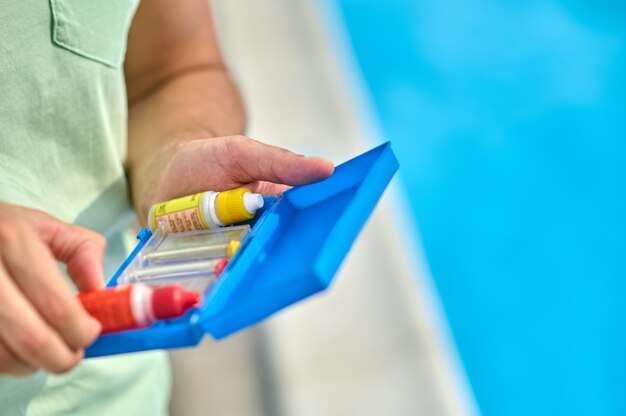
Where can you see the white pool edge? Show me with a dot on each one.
(445, 364)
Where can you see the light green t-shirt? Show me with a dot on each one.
(62, 146)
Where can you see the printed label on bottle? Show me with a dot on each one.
(182, 214)
(111, 308)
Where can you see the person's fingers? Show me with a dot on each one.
(82, 251)
(26, 334)
(42, 283)
(11, 365)
(267, 188)
(249, 161)
(223, 163)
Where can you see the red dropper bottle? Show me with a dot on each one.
(137, 306)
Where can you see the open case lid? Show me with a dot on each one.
(292, 252)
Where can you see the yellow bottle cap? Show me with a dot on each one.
(230, 206)
(233, 246)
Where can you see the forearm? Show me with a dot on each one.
(186, 117)
(178, 90)
(198, 102)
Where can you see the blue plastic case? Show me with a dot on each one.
(293, 251)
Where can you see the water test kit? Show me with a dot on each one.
(290, 250)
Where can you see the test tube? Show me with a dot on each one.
(204, 269)
(219, 250)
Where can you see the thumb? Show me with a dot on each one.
(82, 251)
(257, 161)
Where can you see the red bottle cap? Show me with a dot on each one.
(172, 301)
(220, 266)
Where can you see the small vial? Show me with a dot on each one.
(136, 306)
(202, 268)
(210, 251)
(205, 210)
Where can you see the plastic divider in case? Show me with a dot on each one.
(188, 259)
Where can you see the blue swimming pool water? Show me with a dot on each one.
(509, 119)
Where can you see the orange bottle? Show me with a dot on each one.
(136, 306)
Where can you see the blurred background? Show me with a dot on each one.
(490, 278)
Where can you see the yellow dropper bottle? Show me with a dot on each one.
(205, 210)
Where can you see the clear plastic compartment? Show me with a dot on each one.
(187, 259)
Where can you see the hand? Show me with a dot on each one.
(42, 324)
(223, 163)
